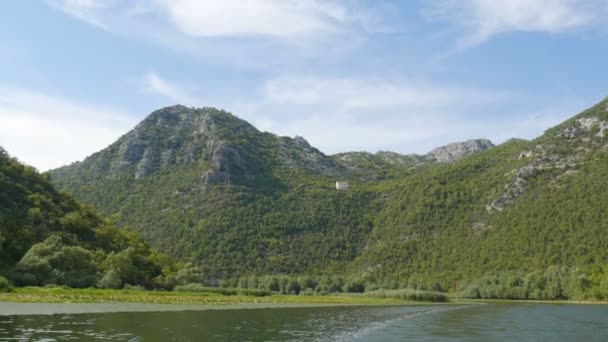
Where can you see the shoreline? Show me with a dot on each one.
(56, 300)
(188, 300)
(8, 308)
(19, 308)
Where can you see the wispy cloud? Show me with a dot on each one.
(353, 94)
(154, 84)
(86, 10)
(249, 34)
(283, 19)
(484, 19)
(48, 131)
(339, 115)
(275, 18)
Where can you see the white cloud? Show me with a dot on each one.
(356, 94)
(276, 18)
(47, 132)
(484, 19)
(86, 10)
(338, 115)
(334, 133)
(154, 84)
(248, 34)
(284, 19)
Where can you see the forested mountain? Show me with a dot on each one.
(205, 186)
(46, 237)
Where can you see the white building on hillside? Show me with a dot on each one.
(342, 186)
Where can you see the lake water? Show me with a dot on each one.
(491, 322)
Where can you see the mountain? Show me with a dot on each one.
(205, 186)
(46, 237)
(382, 164)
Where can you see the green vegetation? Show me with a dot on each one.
(410, 295)
(5, 285)
(523, 220)
(222, 291)
(48, 238)
(554, 284)
(65, 295)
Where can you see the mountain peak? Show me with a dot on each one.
(458, 150)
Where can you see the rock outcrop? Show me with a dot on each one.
(455, 151)
(585, 125)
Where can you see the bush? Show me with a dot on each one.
(354, 287)
(133, 287)
(110, 280)
(53, 261)
(5, 285)
(189, 274)
(254, 293)
(293, 287)
(307, 292)
(556, 283)
(410, 295)
(202, 288)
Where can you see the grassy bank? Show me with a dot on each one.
(66, 295)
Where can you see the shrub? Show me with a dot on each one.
(5, 285)
(133, 287)
(202, 288)
(254, 293)
(410, 295)
(110, 280)
(354, 287)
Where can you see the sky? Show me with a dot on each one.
(348, 75)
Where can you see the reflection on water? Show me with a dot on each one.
(503, 322)
(433, 323)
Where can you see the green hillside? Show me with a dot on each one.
(46, 237)
(520, 208)
(205, 186)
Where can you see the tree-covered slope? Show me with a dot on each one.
(207, 187)
(46, 237)
(521, 207)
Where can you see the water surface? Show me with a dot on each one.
(491, 322)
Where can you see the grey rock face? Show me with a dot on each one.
(539, 162)
(584, 125)
(516, 188)
(298, 153)
(225, 160)
(455, 151)
(173, 136)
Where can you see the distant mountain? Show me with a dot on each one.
(207, 187)
(379, 165)
(220, 146)
(202, 185)
(456, 151)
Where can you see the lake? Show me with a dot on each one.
(484, 322)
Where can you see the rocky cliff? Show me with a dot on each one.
(455, 151)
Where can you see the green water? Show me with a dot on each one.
(492, 322)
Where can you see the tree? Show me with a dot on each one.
(132, 268)
(54, 262)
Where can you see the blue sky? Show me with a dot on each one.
(347, 75)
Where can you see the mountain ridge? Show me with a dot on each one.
(268, 204)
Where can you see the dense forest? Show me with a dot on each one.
(46, 237)
(523, 220)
